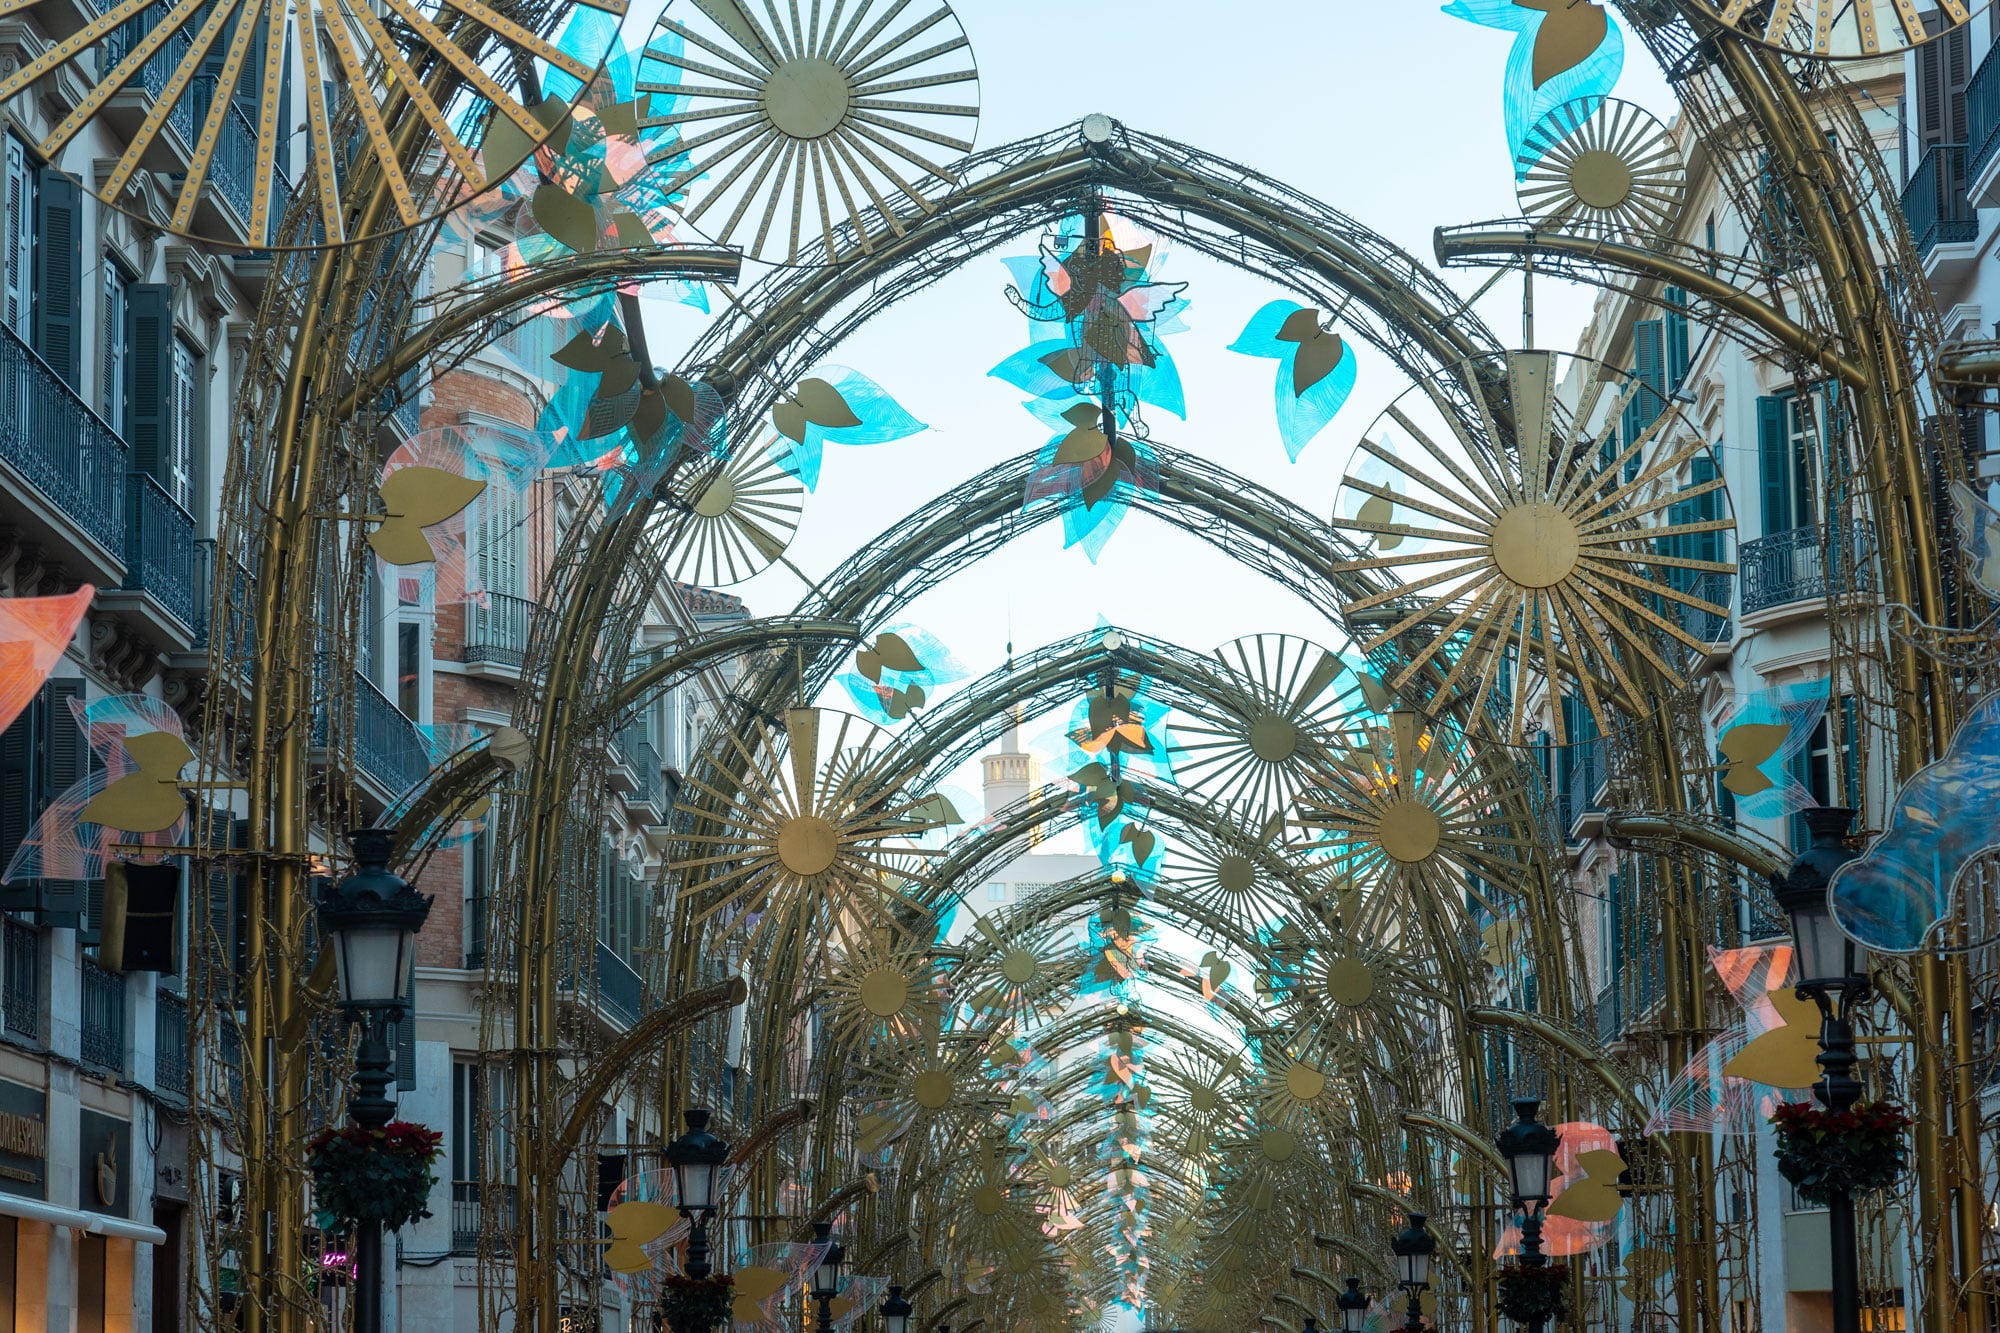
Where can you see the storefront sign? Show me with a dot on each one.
(24, 1140)
(104, 1163)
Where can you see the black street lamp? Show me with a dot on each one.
(697, 1158)
(896, 1312)
(370, 920)
(1530, 1149)
(1353, 1305)
(1833, 972)
(1413, 1247)
(1311, 1325)
(827, 1274)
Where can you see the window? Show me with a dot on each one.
(1944, 68)
(1676, 324)
(112, 335)
(497, 527)
(182, 420)
(19, 239)
(1784, 464)
(478, 881)
(1829, 766)
(996, 893)
(409, 669)
(466, 1120)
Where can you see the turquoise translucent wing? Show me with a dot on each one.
(1591, 79)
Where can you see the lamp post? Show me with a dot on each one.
(896, 1312)
(826, 1275)
(1353, 1306)
(1311, 1325)
(1413, 1247)
(697, 1158)
(1530, 1149)
(370, 920)
(1833, 971)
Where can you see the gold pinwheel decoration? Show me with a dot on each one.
(737, 522)
(207, 102)
(1430, 821)
(802, 137)
(814, 833)
(1842, 29)
(1603, 168)
(1251, 745)
(1564, 533)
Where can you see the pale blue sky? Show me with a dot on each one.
(1389, 112)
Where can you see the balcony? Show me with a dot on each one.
(497, 632)
(239, 635)
(170, 1046)
(232, 166)
(129, 106)
(1941, 217)
(159, 547)
(1706, 625)
(642, 761)
(1788, 568)
(1609, 1028)
(21, 981)
(387, 745)
(1982, 131)
(103, 1020)
(465, 1208)
(618, 986)
(1579, 798)
(52, 439)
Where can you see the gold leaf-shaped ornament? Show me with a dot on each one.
(1320, 350)
(1745, 746)
(635, 1224)
(150, 799)
(565, 217)
(416, 498)
(591, 355)
(1595, 1197)
(1784, 1057)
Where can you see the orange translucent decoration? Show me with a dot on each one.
(33, 633)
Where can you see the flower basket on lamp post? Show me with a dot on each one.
(1535, 1295)
(1827, 1152)
(374, 1176)
(695, 1304)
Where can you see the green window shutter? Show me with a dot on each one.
(406, 1037)
(58, 324)
(64, 758)
(1774, 471)
(1677, 350)
(17, 796)
(149, 341)
(1725, 799)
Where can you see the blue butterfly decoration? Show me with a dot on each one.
(1532, 92)
(1316, 369)
(836, 406)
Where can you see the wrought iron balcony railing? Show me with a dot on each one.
(103, 1019)
(387, 745)
(239, 639)
(644, 762)
(1982, 112)
(159, 67)
(159, 547)
(232, 168)
(65, 449)
(499, 629)
(1934, 202)
(1586, 779)
(21, 979)
(1793, 567)
(618, 986)
(170, 1045)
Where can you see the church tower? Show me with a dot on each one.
(1010, 774)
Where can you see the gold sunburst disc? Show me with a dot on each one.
(932, 1089)
(1410, 831)
(717, 498)
(1235, 873)
(884, 992)
(1304, 1082)
(988, 1200)
(807, 845)
(1019, 967)
(807, 99)
(1349, 982)
(1277, 1145)
(1535, 545)
(1274, 739)
(1601, 178)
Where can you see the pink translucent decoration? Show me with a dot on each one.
(33, 633)
(1702, 1099)
(61, 845)
(1565, 1236)
(506, 458)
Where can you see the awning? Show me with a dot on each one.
(34, 1210)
